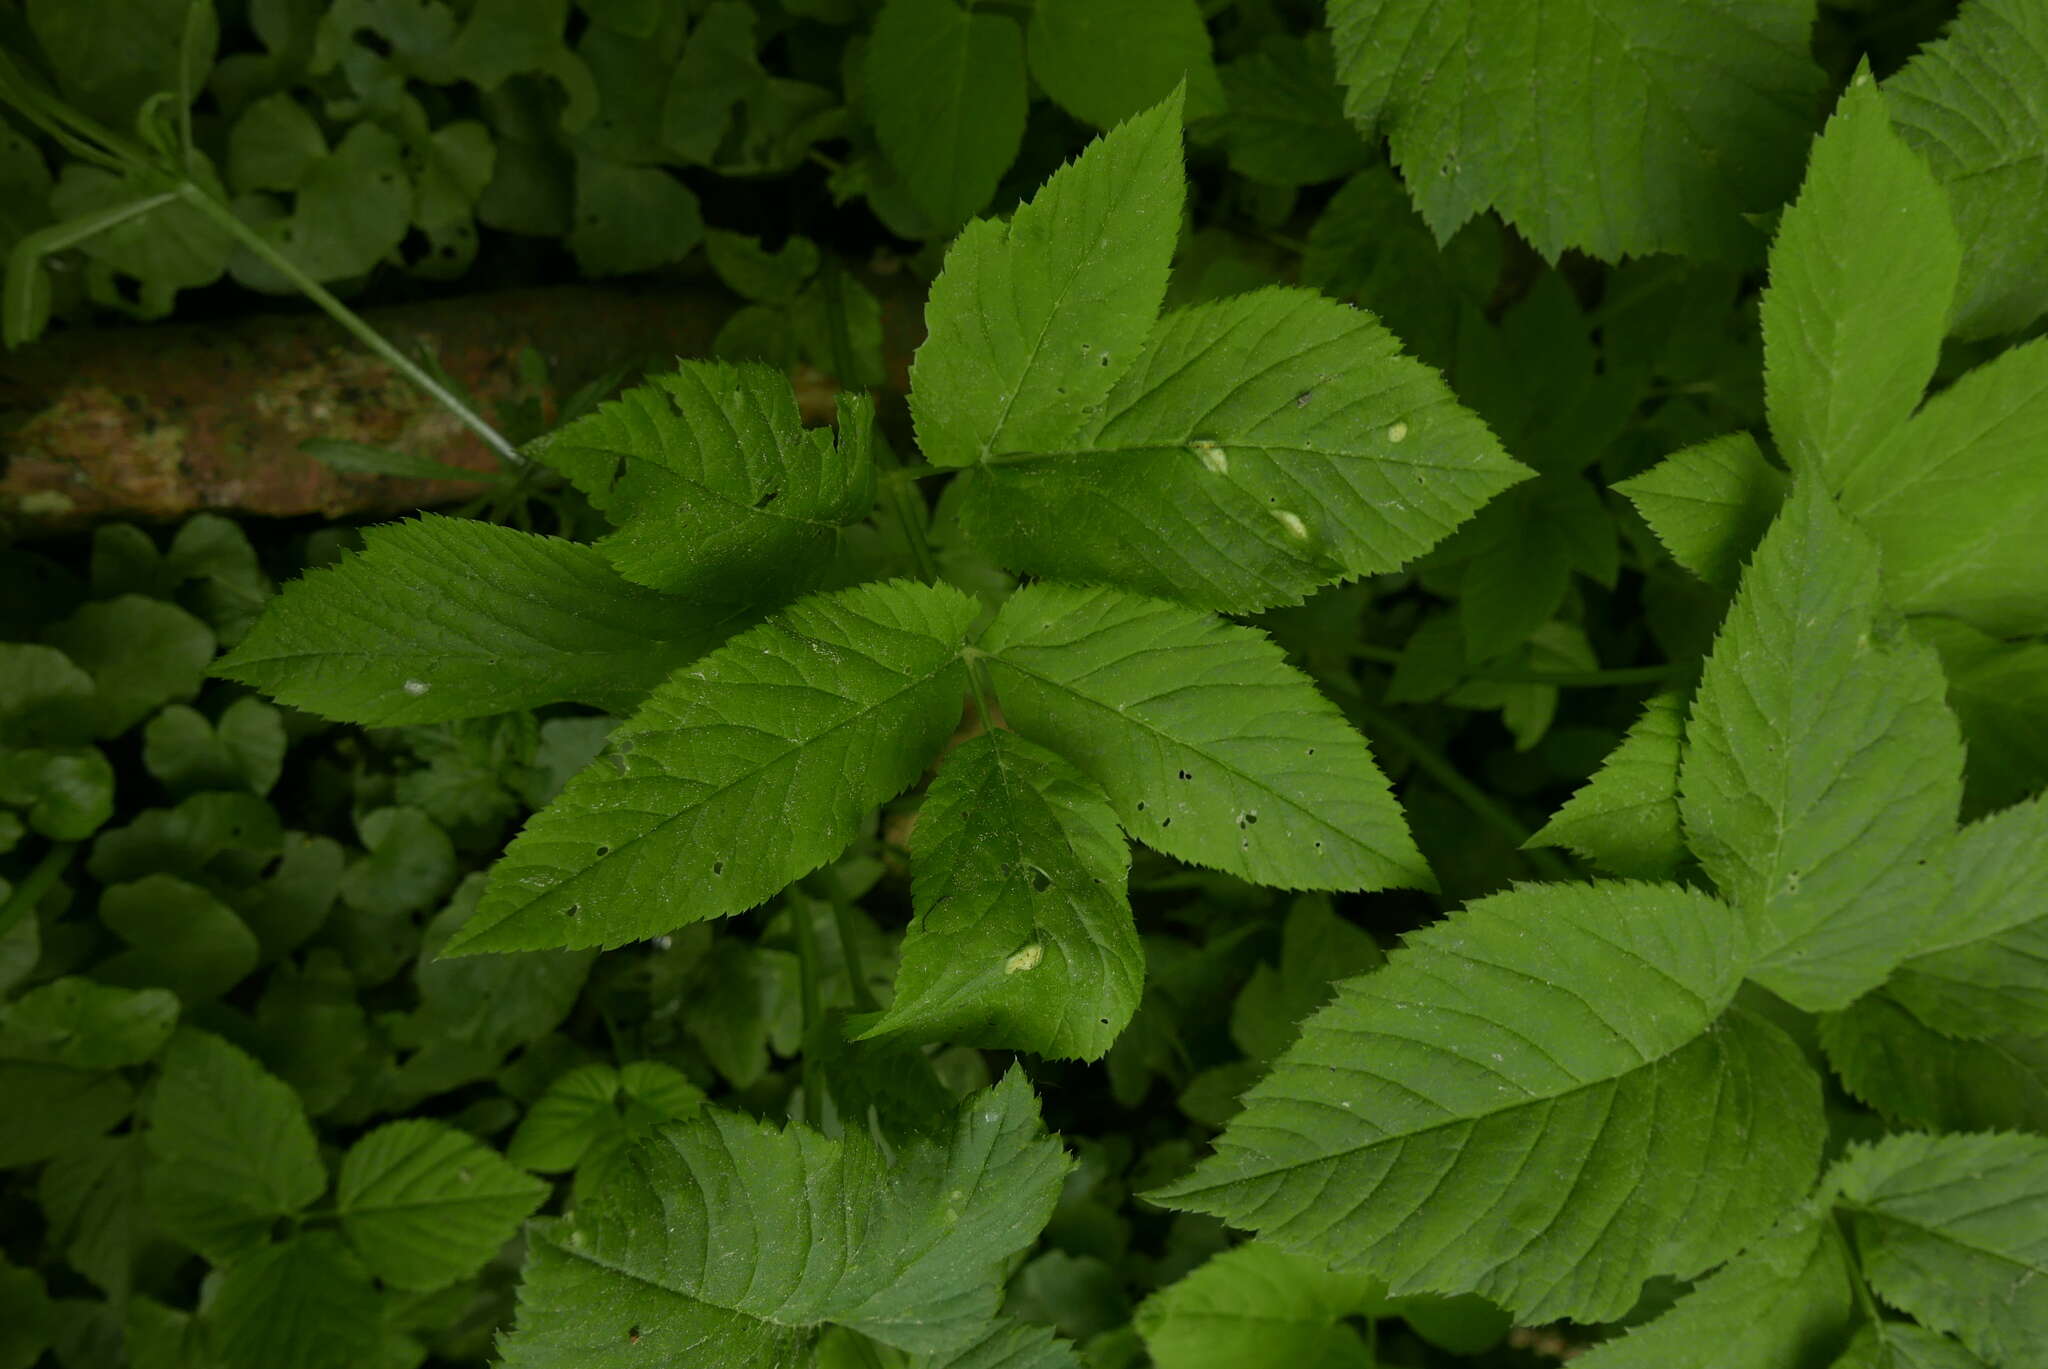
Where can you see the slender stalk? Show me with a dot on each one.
(842, 922)
(35, 884)
(1560, 679)
(809, 994)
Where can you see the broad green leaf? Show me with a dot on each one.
(1022, 937)
(1979, 973)
(186, 839)
(1999, 691)
(308, 1303)
(1862, 272)
(1212, 749)
(1009, 1344)
(65, 793)
(1105, 63)
(92, 1200)
(1286, 124)
(596, 1108)
(1030, 322)
(1954, 1231)
(86, 1026)
(425, 1204)
(411, 863)
(1916, 1077)
(1975, 105)
(160, 1337)
(1419, 1127)
(1781, 1304)
(162, 250)
(718, 490)
(1625, 818)
(1619, 129)
(1317, 948)
(441, 618)
(747, 268)
(1710, 504)
(743, 772)
(727, 1242)
(28, 1319)
(1261, 447)
(350, 210)
(1260, 1307)
(243, 750)
(290, 905)
(141, 654)
(1956, 498)
(229, 1148)
(945, 87)
(112, 55)
(1902, 1345)
(52, 1109)
(274, 145)
(630, 219)
(180, 936)
(1822, 771)
(44, 698)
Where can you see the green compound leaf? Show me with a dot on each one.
(443, 618)
(1769, 1308)
(1979, 974)
(1619, 129)
(719, 492)
(946, 89)
(1957, 496)
(1915, 1077)
(1260, 1307)
(230, 1151)
(1862, 272)
(1710, 505)
(1625, 819)
(425, 1204)
(86, 1026)
(743, 772)
(1822, 771)
(1032, 321)
(1212, 749)
(1260, 448)
(1023, 938)
(308, 1303)
(1975, 105)
(1105, 63)
(1419, 1127)
(1902, 1345)
(729, 1243)
(1954, 1231)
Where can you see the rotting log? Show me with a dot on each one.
(160, 421)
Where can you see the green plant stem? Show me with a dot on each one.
(1560, 679)
(1476, 800)
(808, 993)
(38, 882)
(257, 244)
(842, 922)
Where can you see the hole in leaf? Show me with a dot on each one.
(769, 498)
(1165, 823)
(1040, 881)
(717, 867)
(1141, 805)
(1185, 775)
(604, 850)
(572, 910)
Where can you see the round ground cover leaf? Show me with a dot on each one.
(141, 654)
(244, 750)
(67, 792)
(425, 1204)
(1954, 1230)
(308, 1303)
(1621, 128)
(1210, 746)
(595, 1108)
(350, 210)
(44, 697)
(82, 1025)
(1260, 1307)
(1103, 63)
(1543, 1099)
(444, 618)
(180, 936)
(1286, 124)
(742, 773)
(631, 218)
(945, 87)
(52, 1109)
(1023, 936)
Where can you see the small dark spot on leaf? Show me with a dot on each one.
(1165, 823)
(1141, 805)
(572, 910)
(1185, 775)
(717, 867)
(769, 498)
(1040, 881)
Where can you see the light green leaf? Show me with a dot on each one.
(595, 1108)
(86, 1026)
(51, 1109)
(1210, 746)
(1618, 129)
(66, 793)
(441, 618)
(1022, 937)
(727, 1242)
(1975, 105)
(1104, 63)
(244, 750)
(180, 936)
(1822, 771)
(740, 774)
(1418, 1127)
(308, 1303)
(1625, 818)
(1261, 447)
(1979, 974)
(1916, 1077)
(945, 87)
(229, 1148)
(1775, 1306)
(631, 218)
(1031, 322)
(1999, 691)
(1286, 124)
(1902, 1345)
(1862, 272)
(718, 490)
(1954, 1231)
(425, 1204)
(92, 1199)
(141, 654)
(1260, 1307)
(1710, 504)
(1009, 1344)
(1956, 498)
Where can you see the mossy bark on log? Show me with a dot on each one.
(161, 421)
